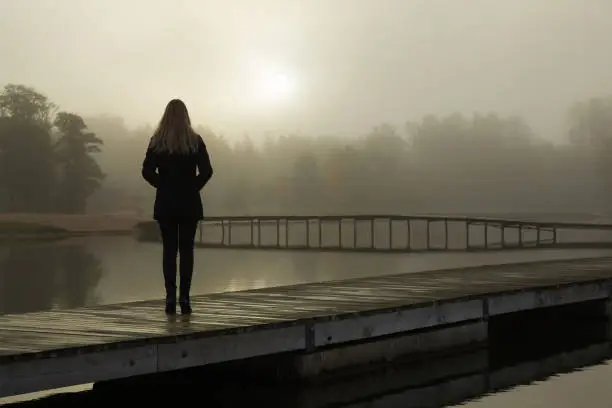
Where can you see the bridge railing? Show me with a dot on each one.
(397, 233)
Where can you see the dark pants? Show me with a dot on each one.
(178, 237)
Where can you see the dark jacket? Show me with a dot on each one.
(178, 186)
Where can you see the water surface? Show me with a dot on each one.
(586, 387)
(73, 273)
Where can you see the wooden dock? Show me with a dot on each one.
(59, 348)
(390, 233)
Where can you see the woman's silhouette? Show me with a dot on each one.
(174, 154)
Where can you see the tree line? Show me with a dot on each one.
(481, 164)
(46, 155)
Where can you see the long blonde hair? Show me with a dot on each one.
(174, 133)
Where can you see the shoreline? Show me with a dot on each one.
(63, 235)
(28, 227)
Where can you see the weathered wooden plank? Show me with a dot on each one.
(333, 332)
(28, 376)
(197, 352)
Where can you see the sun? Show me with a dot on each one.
(275, 86)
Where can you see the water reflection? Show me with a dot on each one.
(132, 269)
(43, 276)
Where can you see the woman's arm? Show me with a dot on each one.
(205, 170)
(149, 168)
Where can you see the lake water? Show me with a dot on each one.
(73, 273)
(588, 387)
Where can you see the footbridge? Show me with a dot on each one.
(391, 233)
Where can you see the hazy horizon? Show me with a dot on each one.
(311, 66)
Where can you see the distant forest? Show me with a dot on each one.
(60, 162)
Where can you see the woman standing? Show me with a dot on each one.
(174, 154)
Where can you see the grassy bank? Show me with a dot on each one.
(11, 230)
(45, 226)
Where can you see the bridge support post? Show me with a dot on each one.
(277, 233)
(229, 233)
(259, 232)
(390, 233)
(408, 234)
(445, 233)
(339, 233)
(372, 242)
(286, 232)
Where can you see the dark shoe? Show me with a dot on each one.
(185, 306)
(170, 306)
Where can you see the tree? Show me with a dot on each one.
(306, 187)
(26, 173)
(23, 103)
(591, 123)
(79, 175)
(590, 134)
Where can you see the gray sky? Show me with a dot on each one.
(350, 63)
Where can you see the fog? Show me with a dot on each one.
(355, 62)
(336, 98)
